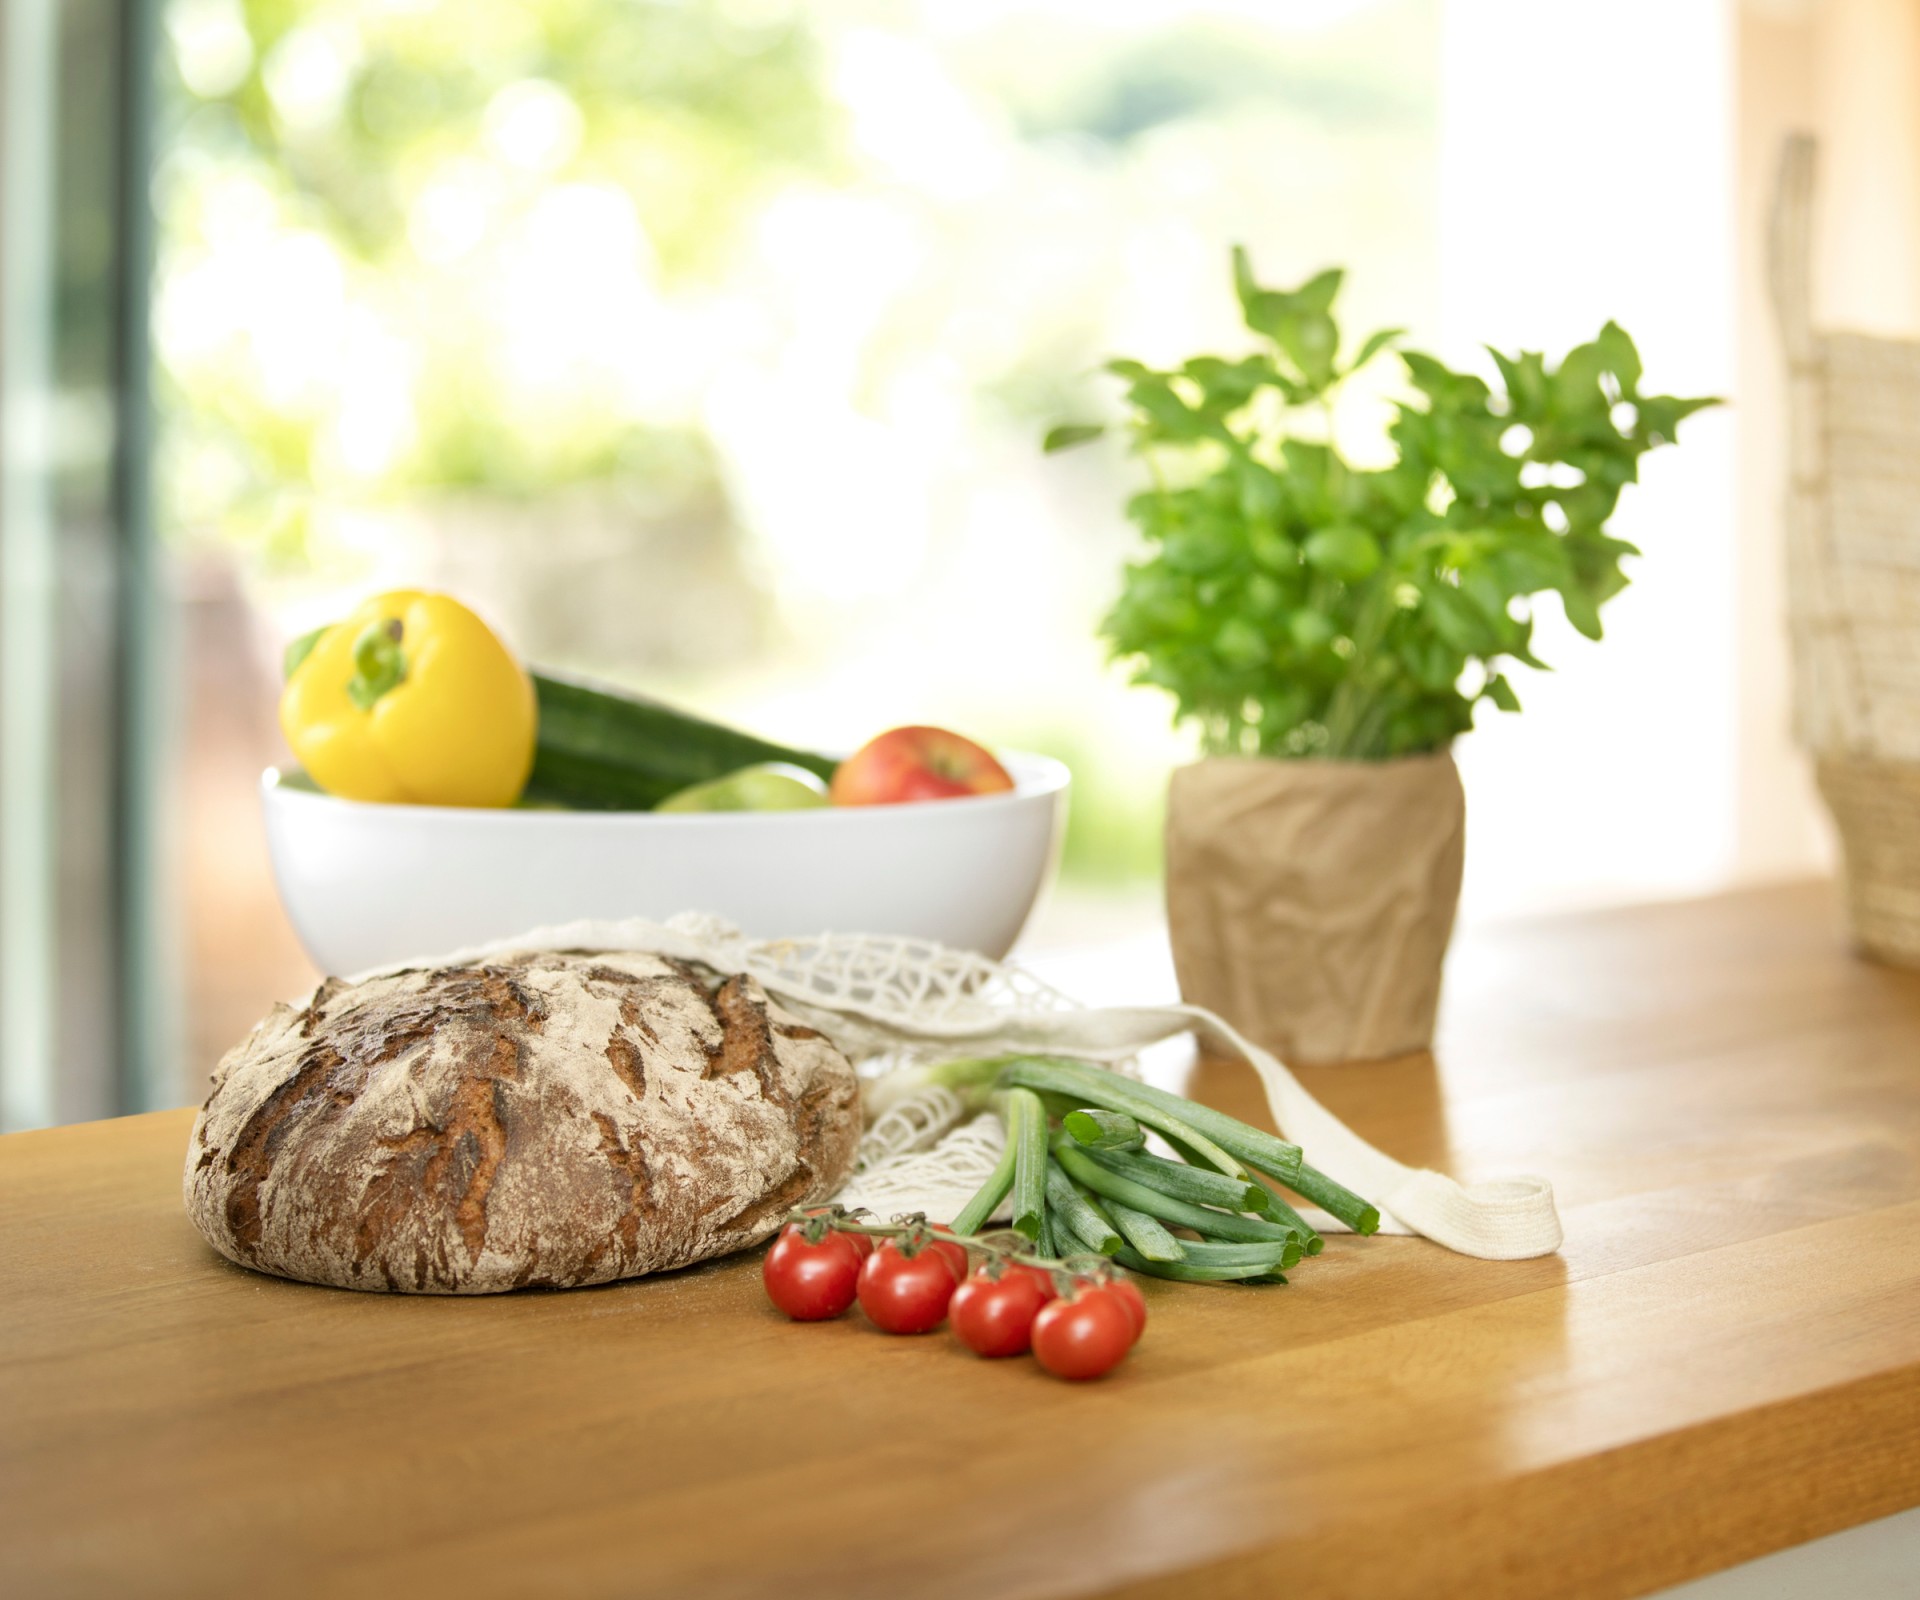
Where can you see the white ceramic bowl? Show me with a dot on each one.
(366, 885)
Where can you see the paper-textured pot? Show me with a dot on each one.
(1310, 902)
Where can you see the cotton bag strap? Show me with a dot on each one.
(911, 999)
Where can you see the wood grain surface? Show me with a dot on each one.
(1724, 1360)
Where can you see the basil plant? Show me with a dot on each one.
(1294, 604)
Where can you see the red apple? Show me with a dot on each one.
(916, 764)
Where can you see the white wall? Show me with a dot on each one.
(1858, 83)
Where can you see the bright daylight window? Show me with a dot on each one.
(708, 347)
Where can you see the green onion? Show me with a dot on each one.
(971, 1078)
(1146, 1234)
(1187, 1153)
(1224, 1141)
(1070, 1241)
(1098, 1206)
(1076, 1241)
(1027, 1134)
(1333, 1198)
(1083, 1169)
(973, 1215)
(1264, 1255)
(1183, 1182)
(1047, 1242)
(1115, 1092)
(1103, 1130)
(1286, 1216)
(1188, 1272)
(1069, 1209)
(1058, 1105)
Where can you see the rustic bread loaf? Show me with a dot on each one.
(537, 1119)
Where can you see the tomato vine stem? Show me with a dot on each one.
(920, 1233)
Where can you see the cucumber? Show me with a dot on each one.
(601, 750)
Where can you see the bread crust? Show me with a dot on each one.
(540, 1119)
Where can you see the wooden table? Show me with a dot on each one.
(1724, 1360)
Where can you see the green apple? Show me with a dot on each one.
(768, 786)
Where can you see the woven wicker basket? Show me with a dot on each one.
(1853, 553)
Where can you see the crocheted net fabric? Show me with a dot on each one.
(893, 1003)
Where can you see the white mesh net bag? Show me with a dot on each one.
(890, 1003)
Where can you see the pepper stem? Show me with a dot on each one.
(378, 662)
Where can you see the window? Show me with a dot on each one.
(706, 345)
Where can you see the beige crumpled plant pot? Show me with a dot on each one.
(1310, 902)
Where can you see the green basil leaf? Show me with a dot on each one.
(1228, 385)
(1576, 386)
(1458, 621)
(1266, 559)
(1347, 553)
(1374, 344)
(1310, 340)
(1259, 495)
(1243, 282)
(1661, 415)
(1316, 295)
(1240, 644)
(1528, 563)
(1432, 664)
(1069, 434)
(1172, 419)
(1581, 611)
(1311, 630)
(1525, 377)
(1621, 358)
(1268, 313)
(1272, 550)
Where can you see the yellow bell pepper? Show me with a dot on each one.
(413, 700)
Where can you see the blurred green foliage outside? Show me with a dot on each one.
(707, 345)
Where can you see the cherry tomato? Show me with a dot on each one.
(955, 1255)
(811, 1282)
(905, 1294)
(1039, 1276)
(1127, 1292)
(1084, 1337)
(994, 1317)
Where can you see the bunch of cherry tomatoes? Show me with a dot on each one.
(911, 1277)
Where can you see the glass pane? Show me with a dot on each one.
(707, 347)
